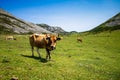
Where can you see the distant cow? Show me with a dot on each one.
(79, 39)
(10, 38)
(43, 41)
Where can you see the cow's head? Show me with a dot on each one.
(51, 42)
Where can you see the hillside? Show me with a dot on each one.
(110, 25)
(11, 24)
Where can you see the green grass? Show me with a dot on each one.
(97, 58)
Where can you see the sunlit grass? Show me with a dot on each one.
(97, 58)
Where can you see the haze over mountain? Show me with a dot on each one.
(54, 29)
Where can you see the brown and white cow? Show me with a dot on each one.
(10, 38)
(43, 41)
(79, 39)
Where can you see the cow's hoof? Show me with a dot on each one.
(43, 60)
(51, 60)
(14, 78)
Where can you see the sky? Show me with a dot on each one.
(71, 15)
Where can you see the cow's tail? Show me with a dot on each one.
(32, 39)
(35, 36)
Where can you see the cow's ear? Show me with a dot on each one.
(58, 38)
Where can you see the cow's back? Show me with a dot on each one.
(38, 40)
(9, 37)
(31, 40)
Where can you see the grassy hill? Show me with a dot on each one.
(110, 25)
(97, 58)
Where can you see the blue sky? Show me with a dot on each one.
(71, 15)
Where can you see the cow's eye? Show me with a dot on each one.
(55, 40)
(48, 38)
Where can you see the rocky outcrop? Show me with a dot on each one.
(115, 21)
(9, 23)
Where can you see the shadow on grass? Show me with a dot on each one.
(37, 58)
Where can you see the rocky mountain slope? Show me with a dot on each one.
(110, 25)
(53, 29)
(11, 24)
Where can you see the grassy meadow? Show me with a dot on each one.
(97, 58)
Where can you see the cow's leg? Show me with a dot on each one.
(32, 51)
(48, 54)
(38, 52)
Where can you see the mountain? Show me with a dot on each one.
(110, 25)
(53, 29)
(11, 24)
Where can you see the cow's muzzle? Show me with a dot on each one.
(52, 47)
